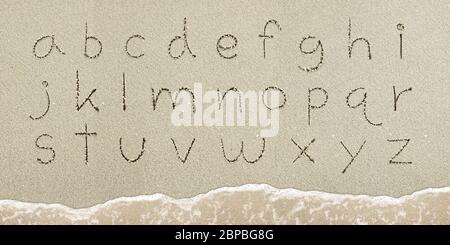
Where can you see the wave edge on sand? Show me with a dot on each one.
(246, 204)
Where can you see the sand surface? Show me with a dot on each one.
(421, 116)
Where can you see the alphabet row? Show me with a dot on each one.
(226, 45)
(317, 94)
(228, 155)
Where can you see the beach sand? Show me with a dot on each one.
(95, 189)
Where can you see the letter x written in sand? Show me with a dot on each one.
(303, 151)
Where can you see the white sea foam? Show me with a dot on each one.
(247, 204)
